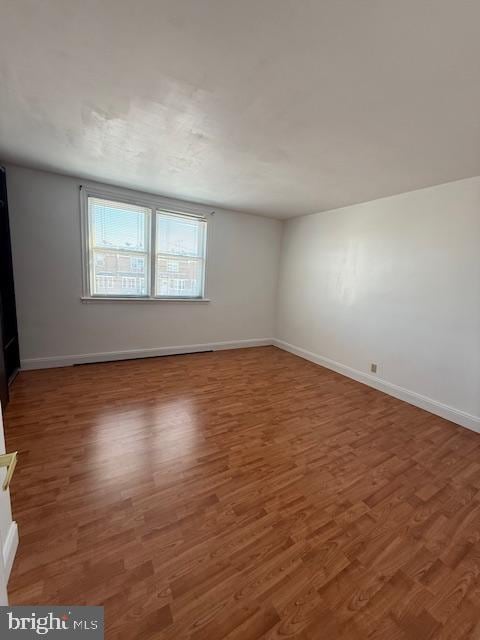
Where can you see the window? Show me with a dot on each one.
(172, 266)
(103, 283)
(129, 283)
(179, 255)
(139, 251)
(137, 265)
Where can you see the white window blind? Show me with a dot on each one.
(142, 252)
(180, 255)
(119, 248)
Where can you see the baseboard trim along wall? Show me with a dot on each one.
(449, 413)
(433, 406)
(84, 358)
(10, 548)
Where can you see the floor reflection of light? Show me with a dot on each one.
(130, 445)
(175, 433)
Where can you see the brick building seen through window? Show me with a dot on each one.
(127, 274)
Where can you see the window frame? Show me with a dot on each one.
(156, 205)
(171, 257)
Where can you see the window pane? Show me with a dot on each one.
(179, 277)
(117, 273)
(180, 236)
(118, 225)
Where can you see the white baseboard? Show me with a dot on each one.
(433, 406)
(445, 411)
(67, 361)
(10, 548)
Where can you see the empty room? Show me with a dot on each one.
(240, 319)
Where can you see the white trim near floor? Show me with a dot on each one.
(433, 406)
(10, 548)
(84, 358)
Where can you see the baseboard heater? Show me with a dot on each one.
(166, 355)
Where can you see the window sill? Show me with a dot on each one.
(90, 299)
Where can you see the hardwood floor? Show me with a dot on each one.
(243, 494)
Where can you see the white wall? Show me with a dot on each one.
(243, 255)
(394, 281)
(8, 527)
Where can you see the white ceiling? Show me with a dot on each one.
(279, 107)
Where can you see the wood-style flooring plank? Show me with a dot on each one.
(240, 495)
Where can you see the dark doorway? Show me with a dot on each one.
(9, 349)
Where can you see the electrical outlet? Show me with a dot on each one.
(373, 367)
